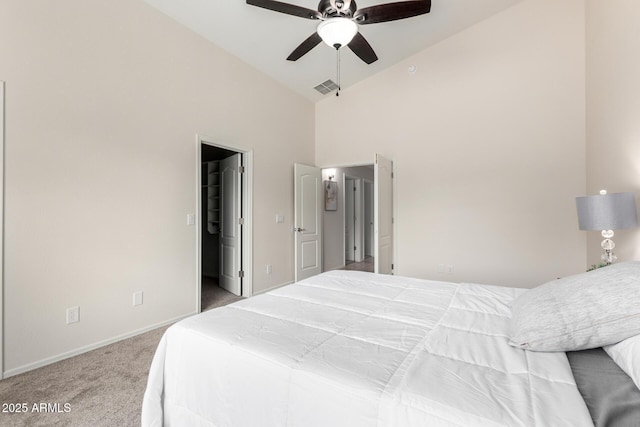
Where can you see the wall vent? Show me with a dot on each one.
(326, 87)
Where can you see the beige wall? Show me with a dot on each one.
(613, 111)
(104, 98)
(103, 102)
(487, 140)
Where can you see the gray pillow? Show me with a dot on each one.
(579, 312)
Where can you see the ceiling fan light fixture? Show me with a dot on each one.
(337, 32)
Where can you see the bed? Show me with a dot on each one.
(348, 348)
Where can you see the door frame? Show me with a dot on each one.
(247, 214)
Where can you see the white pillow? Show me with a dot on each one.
(627, 355)
(578, 312)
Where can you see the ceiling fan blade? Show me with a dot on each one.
(392, 11)
(289, 9)
(312, 41)
(361, 47)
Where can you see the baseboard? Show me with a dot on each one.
(85, 349)
(271, 288)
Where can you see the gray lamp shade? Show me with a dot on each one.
(613, 211)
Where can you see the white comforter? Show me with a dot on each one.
(356, 349)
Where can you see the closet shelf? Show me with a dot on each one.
(211, 181)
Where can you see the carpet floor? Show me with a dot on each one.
(103, 387)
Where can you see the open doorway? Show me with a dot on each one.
(351, 226)
(224, 235)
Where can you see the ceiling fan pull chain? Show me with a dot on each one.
(338, 78)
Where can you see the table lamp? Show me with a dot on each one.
(607, 212)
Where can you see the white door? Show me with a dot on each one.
(308, 221)
(383, 215)
(230, 226)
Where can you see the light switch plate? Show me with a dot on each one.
(137, 298)
(73, 315)
(279, 219)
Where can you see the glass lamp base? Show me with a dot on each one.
(607, 255)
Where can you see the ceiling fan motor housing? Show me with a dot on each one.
(337, 8)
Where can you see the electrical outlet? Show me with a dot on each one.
(191, 219)
(137, 298)
(73, 315)
(269, 269)
(450, 269)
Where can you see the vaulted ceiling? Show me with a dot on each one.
(264, 38)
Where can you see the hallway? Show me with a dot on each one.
(365, 265)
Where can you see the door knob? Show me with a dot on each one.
(298, 229)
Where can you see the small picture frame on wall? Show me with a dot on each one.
(330, 196)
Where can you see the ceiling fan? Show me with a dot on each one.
(340, 20)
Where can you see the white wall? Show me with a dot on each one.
(103, 102)
(487, 140)
(333, 221)
(613, 111)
